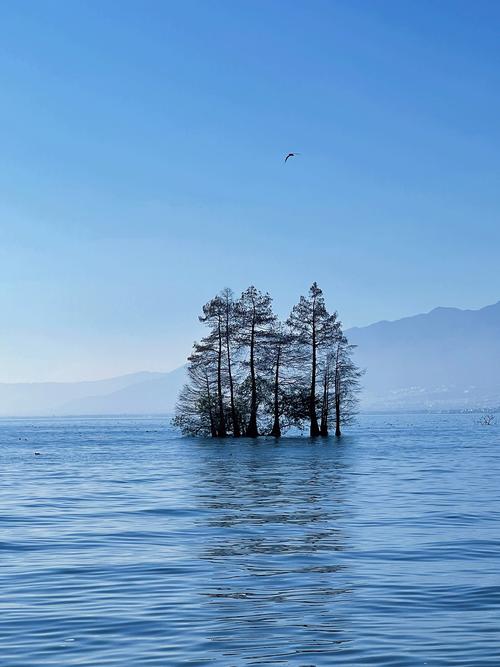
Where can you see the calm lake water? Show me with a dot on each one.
(123, 544)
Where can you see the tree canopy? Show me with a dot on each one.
(253, 375)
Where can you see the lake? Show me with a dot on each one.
(124, 544)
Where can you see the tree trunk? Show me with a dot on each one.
(252, 431)
(337, 394)
(276, 431)
(337, 416)
(314, 429)
(234, 416)
(213, 430)
(324, 407)
(221, 432)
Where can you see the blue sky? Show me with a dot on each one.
(141, 168)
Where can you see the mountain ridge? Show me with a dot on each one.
(447, 358)
(436, 310)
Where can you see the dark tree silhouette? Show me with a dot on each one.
(196, 407)
(346, 383)
(255, 318)
(230, 334)
(213, 317)
(312, 327)
(251, 374)
(276, 357)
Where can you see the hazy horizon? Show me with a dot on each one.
(378, 365)
(132, 370)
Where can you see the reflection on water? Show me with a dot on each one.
(122, 544)
(273, 534)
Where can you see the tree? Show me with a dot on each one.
(252, 374)
(287, 396)
(275, 360)
(331, 336)
(346, 383)
(213, 317)
(230, 334)
(255, 320)
(312, 327)
(196, 407)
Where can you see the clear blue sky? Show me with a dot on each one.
(141, 168)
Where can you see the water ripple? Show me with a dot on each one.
(122, 544)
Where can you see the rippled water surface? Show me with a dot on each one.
(123, 544)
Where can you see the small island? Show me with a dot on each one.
(252, 374)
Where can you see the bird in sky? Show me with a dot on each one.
(291, 155)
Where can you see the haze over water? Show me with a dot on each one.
(123, 544)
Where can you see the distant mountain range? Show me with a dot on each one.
(136, 393)
(446, 359)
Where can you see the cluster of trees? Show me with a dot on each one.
(253, 375)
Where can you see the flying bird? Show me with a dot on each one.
(291, 155)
